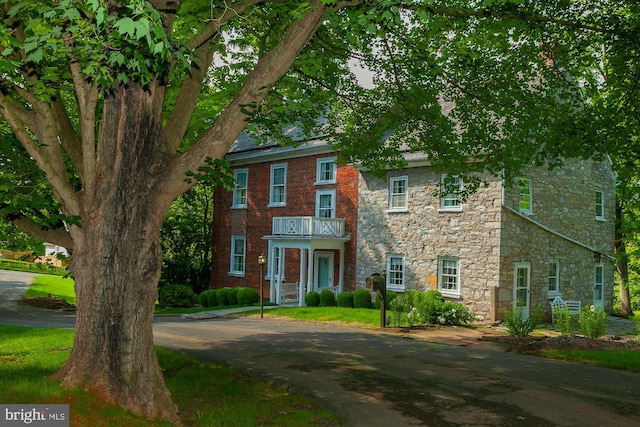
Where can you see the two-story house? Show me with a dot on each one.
(297, 207)
(328, 226)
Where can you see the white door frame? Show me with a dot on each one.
(522, 288)
(598, 286)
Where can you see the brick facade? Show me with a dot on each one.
(255, 221)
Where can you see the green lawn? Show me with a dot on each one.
(52, 285)
(206, 394)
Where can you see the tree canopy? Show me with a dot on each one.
(115, 102)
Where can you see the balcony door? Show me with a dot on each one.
(326, 203)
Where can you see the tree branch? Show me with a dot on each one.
(269, 69)
(59, 237)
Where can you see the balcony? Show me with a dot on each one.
(308, 226)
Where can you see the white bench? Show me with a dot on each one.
(573, 307)
(289, 292)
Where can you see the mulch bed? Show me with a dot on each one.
(50, 302)
(537, 345)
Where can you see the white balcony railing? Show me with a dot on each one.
(308, 226)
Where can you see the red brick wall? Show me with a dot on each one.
(255, 221)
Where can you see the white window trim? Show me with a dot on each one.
(271, 185)
(331, 193)
(445, 196)
(449, 292)
(321, 161)
(392, 180)
(550, 293)
(530, 210)
(600, 217)
(234, 241)
(235, 188)
(395, 287)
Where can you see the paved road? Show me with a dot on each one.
(372, 379)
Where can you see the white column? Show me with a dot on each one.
(309, 270)
(341, 271)
(301, 279)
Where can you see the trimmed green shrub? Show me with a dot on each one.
(204, 296)
(312, 299)
(222, 295)
(362, 298)
(248, 296)
(345, 299)
(327, 298)
(177, 296)
(592, 322)
(233, 296)
(212, 298)
(391, 295)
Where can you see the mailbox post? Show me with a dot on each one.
(380, 286)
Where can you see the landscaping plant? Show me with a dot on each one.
(362, 298)
(516, 325)
(565, 322)
(327, 298)
(592, 322)
(345, 299)
(312, 299)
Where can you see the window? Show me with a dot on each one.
(238, 255)
(450, 197)
(449, 276)
(326, 171)
(398, 193)
(277, 194)
(395, 272)
(240, 178)
(599, 205)
(553, 278)
(524, 185)
(325, 203)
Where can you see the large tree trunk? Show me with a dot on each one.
(116, 262)
(622, 264)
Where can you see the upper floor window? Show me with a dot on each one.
(325, 204)
(238, 255)
(326, 171)
(599, 205)
(524, 186)
(553, 278)
(278, 185)
(240, 178)
(398, 193)
(449, 276)
(395, 272)
(450, 193)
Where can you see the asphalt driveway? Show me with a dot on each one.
(372, 378)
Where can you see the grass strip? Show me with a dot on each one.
(206, 394)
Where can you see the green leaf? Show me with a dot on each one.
(126, 27)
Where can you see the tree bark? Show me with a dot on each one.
(622, 264)
(117, 259)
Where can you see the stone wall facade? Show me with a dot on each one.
(488, 236)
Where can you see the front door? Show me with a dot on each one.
(324, 270)
(521, 278)
(598, 287)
